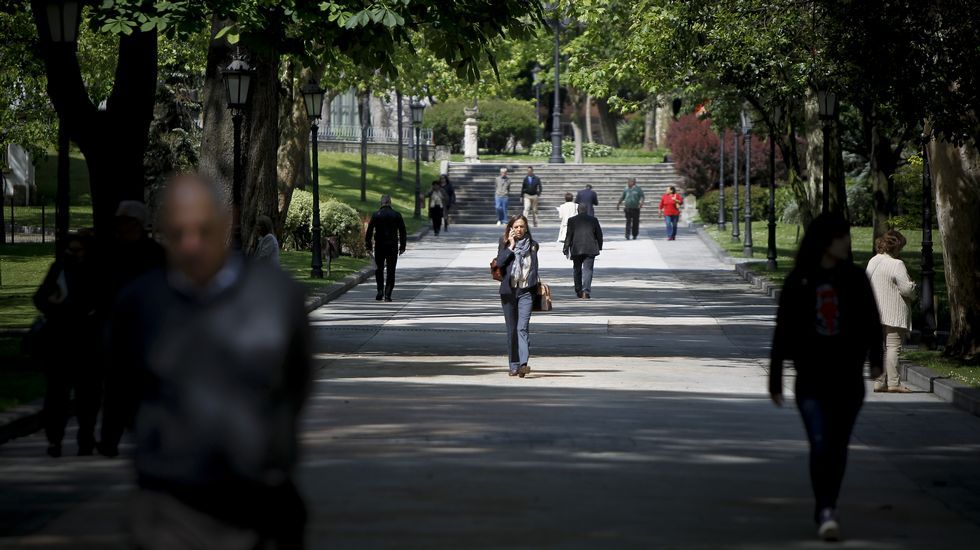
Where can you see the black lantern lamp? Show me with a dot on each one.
(746, 133)
(418, 109)
(63, 18)
(827, 107)
(313, 101)
(238, 78)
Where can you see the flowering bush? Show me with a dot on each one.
(543, 149)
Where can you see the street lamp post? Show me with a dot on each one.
(735, 225)
(313, 100)
(556, 157)
(746, 129)
(418, 108)
(62, 19)
(827, 106)
(238, 78)
(721, 181)
(777, 115)
(926, 302)
(536, 82)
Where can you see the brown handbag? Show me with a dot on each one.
(495, 271)
(541, 301)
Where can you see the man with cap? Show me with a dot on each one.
(129, 255)
(387, 231)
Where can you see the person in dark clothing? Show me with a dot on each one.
(583, 242)
(130, 254)
(828, 325)
(437, 206)
(517, 258)
(219, 352)
(447, 188)
(69, 345)
(589, 198)
(530, 193)
(387, 230)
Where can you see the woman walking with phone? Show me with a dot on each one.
(517, 258)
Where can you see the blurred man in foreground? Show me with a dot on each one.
(218, 351)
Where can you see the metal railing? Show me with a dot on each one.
(374, 134)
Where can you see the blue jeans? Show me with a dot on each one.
(671, 225)
(517, 315)
(501, 205)
(829, 422)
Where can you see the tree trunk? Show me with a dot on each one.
(364, 114)
(260, 133)
(113, 141)
(813, 132)
(294, 171)
(588, 118)
(883, 166)
(607, 122)
(662, 120)
(956, 179)
(650, 128)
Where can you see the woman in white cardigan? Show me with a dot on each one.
(892, 288)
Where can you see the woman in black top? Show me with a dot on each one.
(828, 326)
(517, 257)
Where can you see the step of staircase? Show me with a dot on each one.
(475, 184)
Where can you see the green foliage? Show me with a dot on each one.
(26, 116)
(860, 201)
(708, 204)
(337, 219)
(500, 121)
(631, 132)
(592, 150)
(787, 209)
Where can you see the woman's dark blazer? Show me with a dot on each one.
(504, 258)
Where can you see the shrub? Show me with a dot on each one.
(336, 218)
(502, 121)
(694, 147)
(543, 149)
(631, 131)
(787, 209)
(860, 201)
(708, 204)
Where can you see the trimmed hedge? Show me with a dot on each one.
(708, 204)
(336, 218)
(543, 149)
(500, 120)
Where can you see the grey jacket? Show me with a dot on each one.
(503, 186)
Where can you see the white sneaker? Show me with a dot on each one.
(499, 223)
(829, 530)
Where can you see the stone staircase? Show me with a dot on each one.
(474, 185)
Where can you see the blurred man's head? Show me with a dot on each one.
(385, 200)
(196, 225)
(631, 182)
(583, 209)
(263, 224)
(503, 171)
(130, 221)
(569, 197)
(530, 170)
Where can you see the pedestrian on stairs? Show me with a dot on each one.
(633, 199)
(437, 206)
(501, 195)
(587, 197)
(447, 187)
(670, 205)
(530, 191)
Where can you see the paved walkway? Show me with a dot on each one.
(643, 424)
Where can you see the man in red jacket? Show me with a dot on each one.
(670, 205)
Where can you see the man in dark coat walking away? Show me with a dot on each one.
(589, 198)
(387, 230)
(220, 362)
(583, 242)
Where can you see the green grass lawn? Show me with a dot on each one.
(20, 380)
(340, 177)
(297, 264)
(46, 177)
(79, 217)
(22, 267)
(967, 373)
(786, 245)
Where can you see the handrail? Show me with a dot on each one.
(375, 134)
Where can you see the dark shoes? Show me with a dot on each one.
(583, 295)
(86, 450)
(54, 450)
(106, 450)
(523, 370)
(388, 298)
(379, 297)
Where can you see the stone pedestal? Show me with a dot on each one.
(470, 152)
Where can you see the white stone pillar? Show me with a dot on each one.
(470, 151)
